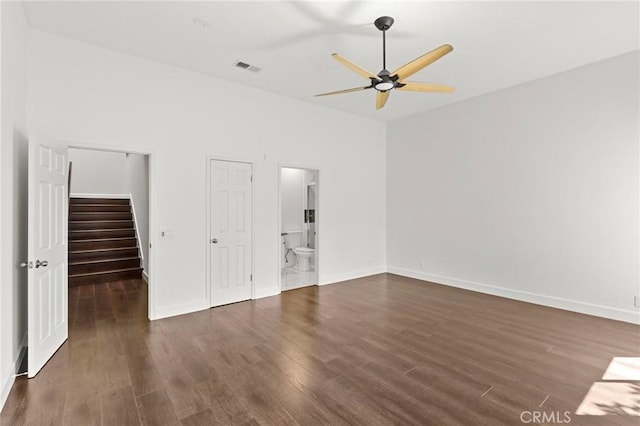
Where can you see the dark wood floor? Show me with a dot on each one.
(377, 350)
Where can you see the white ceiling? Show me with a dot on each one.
(496, 44)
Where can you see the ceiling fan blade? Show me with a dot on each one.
(381, 99)
(421, 62)
(414, 86)
(339, 92)
(353, 67)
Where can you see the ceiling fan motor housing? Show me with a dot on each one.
(383, 23)
(384, 83)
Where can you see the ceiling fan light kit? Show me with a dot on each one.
(384, 81)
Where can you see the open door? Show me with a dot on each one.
(47, 291)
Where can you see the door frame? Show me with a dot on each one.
(151, 295)
(279, 218)
(207, 219)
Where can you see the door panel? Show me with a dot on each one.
(47, 238)
(231, 233)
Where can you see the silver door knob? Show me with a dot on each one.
(43, 263)
(214, 241)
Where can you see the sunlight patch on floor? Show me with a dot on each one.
(606, 398)
(618, 393)
(623, 368)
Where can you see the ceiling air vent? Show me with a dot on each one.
(248, 67)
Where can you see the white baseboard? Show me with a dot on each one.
(145, 277)
(326, 280)
(184, 308)
(538, 299)
(266, 292)
(84, 195)
(336, 278)
(9, 376)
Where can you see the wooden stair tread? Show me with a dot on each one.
(88, 262)
(113, 271)
(108, 239)
(83, 231)
(78, 200)
(97, 208)
(87, 225)
(97, 234)
(100, 230)
(100, 205)
(117, 215)
(100, 213)
(98, 221)
(90, 213)
(98, 250)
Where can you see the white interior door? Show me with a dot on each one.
(47, 291)
(231, 234)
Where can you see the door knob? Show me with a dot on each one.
(214, 241)
(43, 263)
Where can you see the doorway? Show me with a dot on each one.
(108, 216)
(50, 189)
(298, 227)
(230, 231)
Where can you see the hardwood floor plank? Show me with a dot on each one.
(223, 403)
(145, 377)
(182, 390)
(257, 395)
(203, 418)
(46, 406)
(119, 407)
(156, 410)
(85, 411)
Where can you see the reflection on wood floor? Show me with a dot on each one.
(376, 350)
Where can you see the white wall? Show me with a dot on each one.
(13, 192)
(92, 95)
(530, 192)
(97, 172)
(292, 201)
(136, 183)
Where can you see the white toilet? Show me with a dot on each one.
(303, 255)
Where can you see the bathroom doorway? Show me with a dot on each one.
(298, 227)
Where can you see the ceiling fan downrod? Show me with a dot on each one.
(383, 23)
(384, 49)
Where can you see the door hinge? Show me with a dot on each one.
(251, 178)
(251, 277)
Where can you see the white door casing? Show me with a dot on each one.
(230, 239)
(47, 248)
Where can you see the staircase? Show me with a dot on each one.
(102, 241)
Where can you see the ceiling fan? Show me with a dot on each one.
(385, 81)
